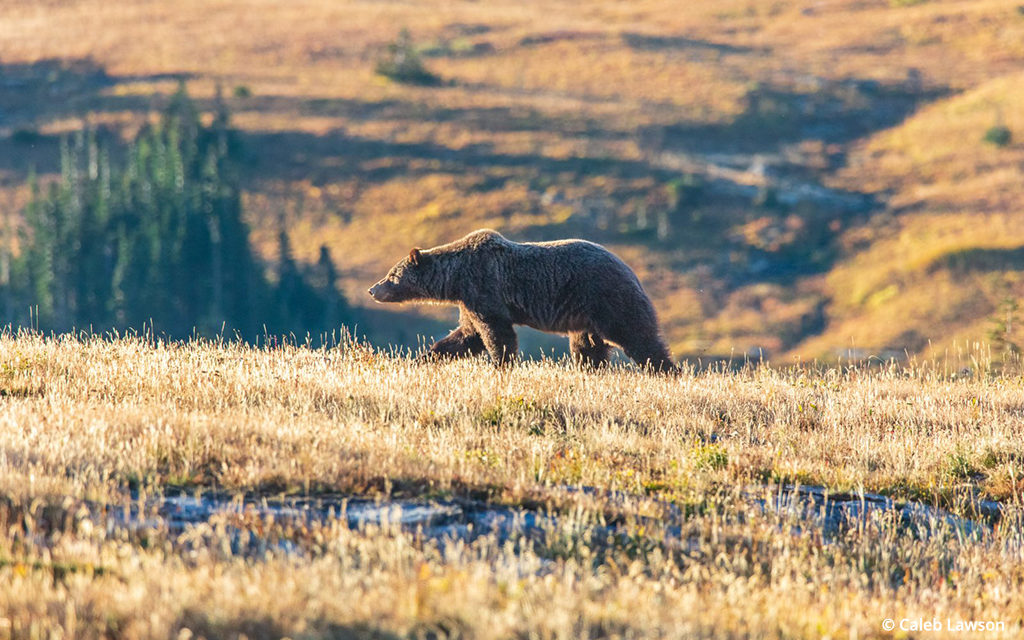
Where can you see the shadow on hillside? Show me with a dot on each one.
(802, 108)
(33, 95)
(488, 119)
(775, 116)
(979, 259)
(645, 42)
(337, 155)
(52, 88)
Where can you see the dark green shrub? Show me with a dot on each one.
(999, 135)
(402, 63)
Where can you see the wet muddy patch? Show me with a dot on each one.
(602, 518)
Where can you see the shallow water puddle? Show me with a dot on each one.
(799, 509)
(835, 512)
(177, 513)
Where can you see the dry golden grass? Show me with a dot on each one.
(91, 422)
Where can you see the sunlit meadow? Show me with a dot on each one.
(90, 428)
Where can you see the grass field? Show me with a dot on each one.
(90, 428)
(836, 180)
(556, 120)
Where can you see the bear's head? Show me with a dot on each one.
(404, 282)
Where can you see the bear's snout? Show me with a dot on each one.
(383, 291)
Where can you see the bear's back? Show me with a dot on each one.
(574, 255)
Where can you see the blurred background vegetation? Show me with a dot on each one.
(159, 242)
(789, 179)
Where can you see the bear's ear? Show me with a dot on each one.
(414, 256)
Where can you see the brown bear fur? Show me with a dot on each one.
(572, 287)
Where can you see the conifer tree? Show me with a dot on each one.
(163, 241)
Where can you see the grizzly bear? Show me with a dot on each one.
(572, 287)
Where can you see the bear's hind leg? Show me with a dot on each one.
(588, 349)
(644, 346)
(650, 353)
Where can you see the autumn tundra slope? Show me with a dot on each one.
(786, 178)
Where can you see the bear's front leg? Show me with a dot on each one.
(499, 337)
(464, 341)
(588, 349)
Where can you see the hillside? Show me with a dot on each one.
(944, 263)
(155, 490)
(789, 179)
